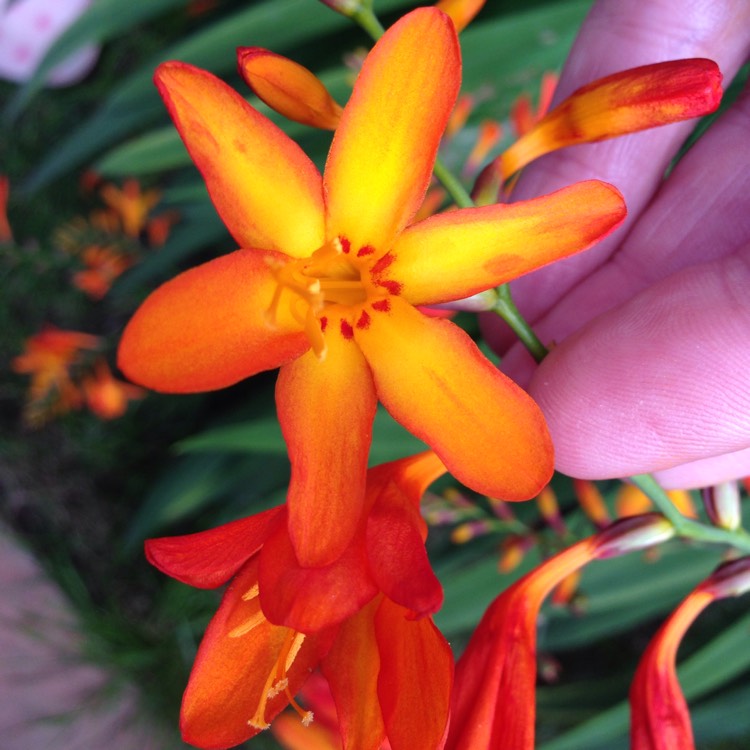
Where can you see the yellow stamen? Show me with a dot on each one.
(277, 681)
(328, 277)
(249, 624)
(251, 593)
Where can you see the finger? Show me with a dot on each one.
(702, 212)
(657, 382)
(620, 34)
(707, 471)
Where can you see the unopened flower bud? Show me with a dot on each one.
(633, 533)
(722, 504)
(480, 302)
(730, 579)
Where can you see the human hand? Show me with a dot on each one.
(651, 368)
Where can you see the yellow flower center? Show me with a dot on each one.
(330, 276)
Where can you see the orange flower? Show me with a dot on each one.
(625, 102)
(48, 357)
(106, 396)
(288, 88)
(591, 502)
(632, 501)
(103, 266)
(493, 704)
(461, 12)
(363, 619)
(131, 204)
(331, 274)
(659, 714)
(522, 115)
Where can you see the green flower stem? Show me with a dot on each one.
(369, 22)
(686, 527)
(453, 185)
(507, 310)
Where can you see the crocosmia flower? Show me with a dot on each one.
(364, 620)
(329, 276)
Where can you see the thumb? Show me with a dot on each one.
(661, 380)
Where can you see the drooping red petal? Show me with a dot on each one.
(210, 558)
(236, 665)
(385, 145)
(494, 703)
(289, 88)
(326, 409)
(434, 380)
(256, 175)
(659, 716)
(415, 679)
(351, 668)
(459, 253)
(207, 328)
(310, 599)
(395, 547)
(626, 102)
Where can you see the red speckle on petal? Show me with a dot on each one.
(382, 305)
(365, 250)
(323, 324)
(346, 330)
(382, 264)
(394, 287)
(364, 320)
(346, 245)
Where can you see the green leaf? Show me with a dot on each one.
(263, 435)
(276, 24)
(725, 657)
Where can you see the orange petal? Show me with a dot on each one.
(210, 558)
(351, 668)
(292, 734)
(385, 146)
(660, 719)
(432, 378)
(459, 253)
(625, 102)
(461, 12)
(395, 547)
(326, 411)
(415, 680)
(235, 668)
(289, 88)
(257, 177)
(310, 599)
(494, 699)
(207, 329)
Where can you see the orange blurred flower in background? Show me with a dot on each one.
(48, 357)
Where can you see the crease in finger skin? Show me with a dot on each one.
(706, 471)
(660, 381)
(620, 34)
